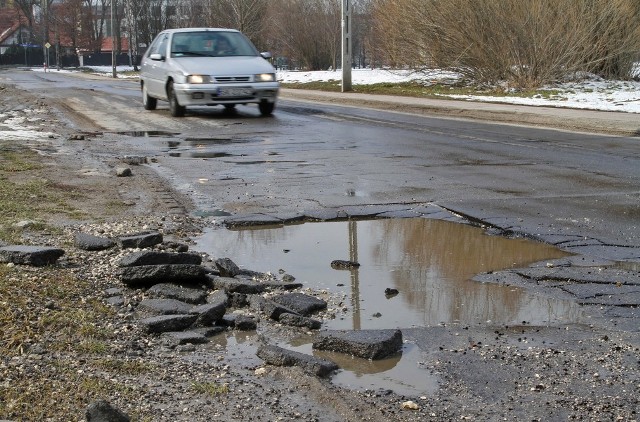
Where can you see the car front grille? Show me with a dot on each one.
(231, 79)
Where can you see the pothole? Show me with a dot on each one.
(430, 263)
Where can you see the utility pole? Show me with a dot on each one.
(346, 46)
(45, 32)
(113, 42)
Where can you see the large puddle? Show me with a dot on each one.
(429, 262)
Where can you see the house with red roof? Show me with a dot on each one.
(69, 40)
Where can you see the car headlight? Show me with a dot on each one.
(264, 77)
(198, 79)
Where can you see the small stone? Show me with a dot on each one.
(340, 264)
(103, 411)
(409, 405)
(389, 292)
(123, 172)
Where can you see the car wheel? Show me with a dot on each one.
(174, 106)
(266, 108)
(148, 102)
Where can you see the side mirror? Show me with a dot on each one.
(266, 55)
(156, 56)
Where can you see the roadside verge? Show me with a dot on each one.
(591, 121)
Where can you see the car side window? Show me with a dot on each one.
(159, 46)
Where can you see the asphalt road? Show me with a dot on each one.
(577, 190)
(332, 153)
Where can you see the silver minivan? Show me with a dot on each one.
(206, 67)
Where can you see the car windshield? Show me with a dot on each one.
(211, 44)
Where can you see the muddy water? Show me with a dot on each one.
(429, 262)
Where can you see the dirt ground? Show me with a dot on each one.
(575, 372)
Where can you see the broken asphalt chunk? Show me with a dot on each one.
(299, 321)
(148, 275)
(38, 256)
(159, 258)
(165, 307)
(175, 291)
(209, 313)
(141, 240)
(165, 323)
(278, 356)
(367, 344)
(89, 242)
(300, 303)
(245, 286)
(227, 267)
(176, 338)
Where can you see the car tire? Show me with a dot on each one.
(148, 102)
(266, 108)
(175, 108)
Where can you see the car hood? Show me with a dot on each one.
(222, 66)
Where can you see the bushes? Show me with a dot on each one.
(525, 43)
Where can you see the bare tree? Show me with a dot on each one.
(309, 31)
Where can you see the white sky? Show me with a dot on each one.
(594, 94)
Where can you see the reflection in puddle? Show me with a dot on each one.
(218, 141)
(399, 372)
(429, 262)
(147, 134)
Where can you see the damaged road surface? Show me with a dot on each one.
(310, 162)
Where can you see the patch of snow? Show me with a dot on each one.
(14, 126)
(592, 94)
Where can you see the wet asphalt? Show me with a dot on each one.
(349, 155)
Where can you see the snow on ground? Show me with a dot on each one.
(20, 126)
(593, 93)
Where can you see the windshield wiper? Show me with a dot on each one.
(191, 53)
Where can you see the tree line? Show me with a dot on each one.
(520, 43)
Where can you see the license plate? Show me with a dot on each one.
(235, 92)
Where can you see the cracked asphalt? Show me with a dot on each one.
(565, 177)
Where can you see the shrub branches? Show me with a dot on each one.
(523, 43)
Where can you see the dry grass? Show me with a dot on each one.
(525, 43)
(55, 341)
(414, 89)
(26, 194)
